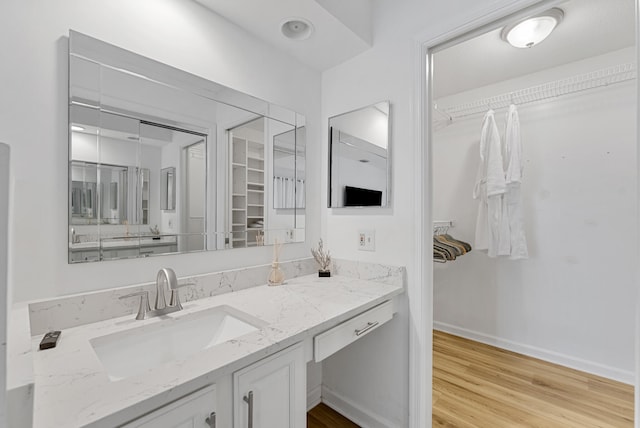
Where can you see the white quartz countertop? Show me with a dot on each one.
(133, 241)
(72, 388)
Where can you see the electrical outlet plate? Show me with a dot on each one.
(367, 240)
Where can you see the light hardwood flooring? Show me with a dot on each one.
(323, 416)
(476, 385)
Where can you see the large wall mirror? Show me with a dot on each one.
(162, 161)
(359, 162)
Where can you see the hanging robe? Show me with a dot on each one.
(512, 203)
(489, 188)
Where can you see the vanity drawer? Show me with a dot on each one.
(331, 341)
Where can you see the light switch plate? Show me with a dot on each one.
(367, 240)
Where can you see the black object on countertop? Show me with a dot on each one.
(50, 340)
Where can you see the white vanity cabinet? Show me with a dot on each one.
(271, 393)
(196, 410)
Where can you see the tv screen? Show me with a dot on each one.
(357, 197)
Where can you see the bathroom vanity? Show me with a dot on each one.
(236, 359)
(163, 162)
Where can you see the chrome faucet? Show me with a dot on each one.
(75, 239)
(165, 276)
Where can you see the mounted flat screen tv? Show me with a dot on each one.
(358, 197)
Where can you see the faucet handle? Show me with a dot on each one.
(175, 296)
(144, 303)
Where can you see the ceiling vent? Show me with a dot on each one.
(297, 28)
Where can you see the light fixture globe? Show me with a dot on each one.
(531, 31)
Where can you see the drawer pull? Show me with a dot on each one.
(366, 328)
(211, 420)
(249, 400)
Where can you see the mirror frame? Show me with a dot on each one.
(386, 202)
(119, 59)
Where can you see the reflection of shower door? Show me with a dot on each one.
(195, 189)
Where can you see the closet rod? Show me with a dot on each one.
(595, 79)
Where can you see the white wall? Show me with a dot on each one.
(112, 151)
(368, 124)
(386, 72)
(33, 120)
(573, 300)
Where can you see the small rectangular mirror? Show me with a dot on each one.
(288, 182)
(167, 189)
(359, 161)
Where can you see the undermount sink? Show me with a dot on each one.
(139, 349)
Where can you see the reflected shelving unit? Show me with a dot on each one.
(247, 184)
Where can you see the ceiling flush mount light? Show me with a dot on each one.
(77, 128)
(297, 28)
(531, 31)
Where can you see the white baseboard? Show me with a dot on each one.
(542, 354)
(363, 417)
(314, 397)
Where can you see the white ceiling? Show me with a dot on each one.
(342, 29)
(589, 28)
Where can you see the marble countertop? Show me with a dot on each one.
(72, 388)
(19, 368)
(133, 241)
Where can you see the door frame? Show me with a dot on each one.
(421, 290)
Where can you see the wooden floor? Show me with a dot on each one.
(476, 385)
(323, 416)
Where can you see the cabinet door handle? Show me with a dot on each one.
(211, 420)
(249, 400)
(366, 328)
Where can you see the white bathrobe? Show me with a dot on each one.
(489, 188)
(512, 201)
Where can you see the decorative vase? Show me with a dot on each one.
(324, 273)
(276, 276)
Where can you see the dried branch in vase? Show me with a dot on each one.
(323, 258)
